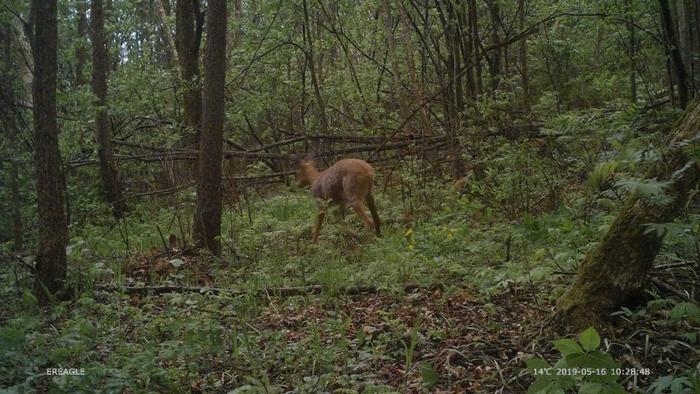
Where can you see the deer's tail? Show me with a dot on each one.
(373, 210)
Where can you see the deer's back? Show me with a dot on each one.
(346, 179)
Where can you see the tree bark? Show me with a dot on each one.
(673, 50)
(108, 169)
(418, 85)
(497, 56)
(399, 101)
(313, 70)
(207, 221)
(81, 49)
(8, 114)
(166, 34)
(631, 49)
(188, 34)
(467, 46)
(522, 54)
(454, 95)
(614, 273)
(53, 225)
(476, 41)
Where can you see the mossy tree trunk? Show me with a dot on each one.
(614, 273)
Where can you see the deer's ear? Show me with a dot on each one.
(310, 157)
(305, 163)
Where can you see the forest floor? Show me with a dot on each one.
(468, 322)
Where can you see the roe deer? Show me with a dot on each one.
(346, 183)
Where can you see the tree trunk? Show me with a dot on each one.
(398, 100)
(476, 41)
(467, 48)
(8, 115)
(113, 44)
(522, 54)
(81, 49)
(694, 39)
(207, 221)
(614, 272)
(188, 35)
(497, 56)
(672, 48)
(52, 226)
(313, 70)
(631, 49)
(108, 170)
(454, 95)
(165, 32)
(409, 52)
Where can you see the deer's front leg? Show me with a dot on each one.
(319, 221)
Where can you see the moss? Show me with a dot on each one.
(614, 273)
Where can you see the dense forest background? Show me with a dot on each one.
(535, 174)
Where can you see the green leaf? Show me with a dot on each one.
(645, 188)
(614, 388)
(543, 385)
(176, 262)
(687, 310)
(590, 340)
(537, 363)
(430, 377)
(567, 346)
(591, 388)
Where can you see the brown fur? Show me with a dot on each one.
(346, 183)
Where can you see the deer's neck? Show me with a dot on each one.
(312, 174)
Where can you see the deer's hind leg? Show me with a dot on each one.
(342, 210)
(360, 209)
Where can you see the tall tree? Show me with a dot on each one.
(165, 32)
(614, 272)
(207, 221)
(81, 49)
(454, 95)
(631, 48)
(522, 54)
(108, 169)
(314, 70)
(688, 19)
(476, 42)
(495, 63)
(188, 35)
(8, 116)
(673, 50)
(53, 225)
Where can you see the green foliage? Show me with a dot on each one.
(676, 384)
(685, 311)
(583, 366)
